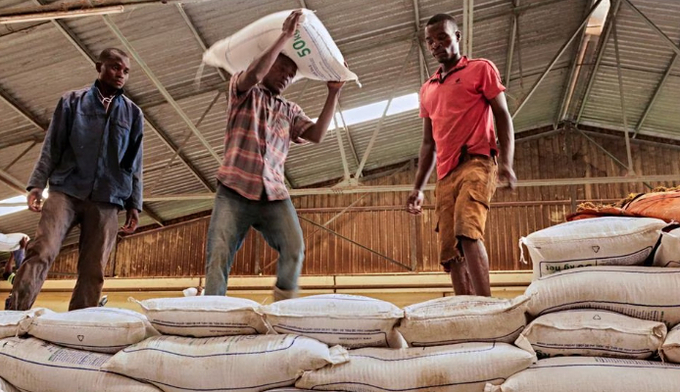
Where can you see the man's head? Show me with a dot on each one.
(443, 37)
(113, 67)
(280, 75)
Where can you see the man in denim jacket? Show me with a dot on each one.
(92, 160)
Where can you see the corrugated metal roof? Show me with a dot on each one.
(644, 59)
(38, 64)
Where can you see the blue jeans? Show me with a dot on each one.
(233, 215)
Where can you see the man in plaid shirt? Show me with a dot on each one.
(251, 190)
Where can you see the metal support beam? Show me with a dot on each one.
(609, 154)
(197, 36)
(43, 15)
(511, 45)
(601, 148)
(395, 84)
(325, 224)
(424, 73)
(80, 47)
(555, 59)
(574, 72)
(468, 17)
(430, 187)
(153, 215)
(349, 136)
(159, 86)
(569, 150)
(669, 42)
(623, 101)
(287, 180)
(391, 260)
(12, 182)
(23, 112)
(520, 65)
(656, 94)
(21, 155)
(184, 142)
(341, 146)
(604, 39)
(79, 5)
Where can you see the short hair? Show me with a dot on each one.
(288, 59)
(109, 53)
(442, 18)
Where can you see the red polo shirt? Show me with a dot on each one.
(457, 102)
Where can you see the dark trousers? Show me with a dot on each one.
(98, 228)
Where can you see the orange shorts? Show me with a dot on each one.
(463, 198)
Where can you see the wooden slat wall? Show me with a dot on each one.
(379, 222)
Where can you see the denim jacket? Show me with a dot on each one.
(91, 154)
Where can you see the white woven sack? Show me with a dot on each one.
(233, 363)
(312, 48)
(105, 330)
(37, 366)
(352, 321)
(204, 316)
(460, 319)
(592, 242)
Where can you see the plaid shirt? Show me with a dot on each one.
(260, 127)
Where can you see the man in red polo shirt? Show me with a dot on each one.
(251, 190)
(458, 106)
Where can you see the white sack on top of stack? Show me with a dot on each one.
(601, 241)
(460, 319)
(352, 321)
(204, 316)
(13, 322)
(668, 252)
(105, 330)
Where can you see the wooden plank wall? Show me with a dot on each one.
(378, 220)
